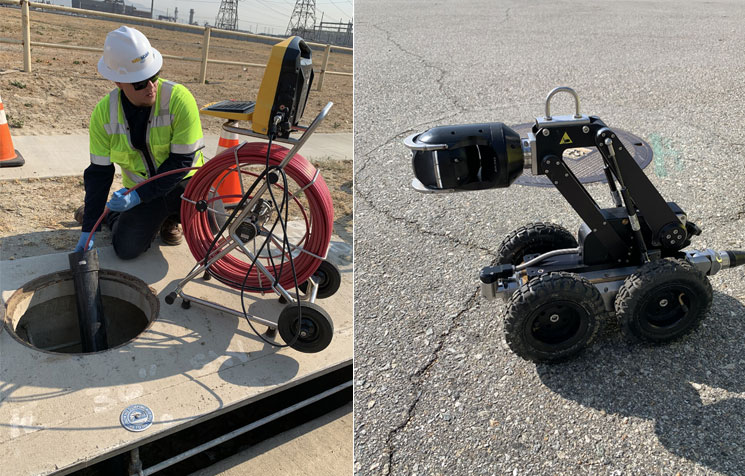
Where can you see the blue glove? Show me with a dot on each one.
(121, 203)
(83, 238)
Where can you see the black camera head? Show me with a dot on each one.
(466, 157)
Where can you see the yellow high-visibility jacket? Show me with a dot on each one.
(174, 126)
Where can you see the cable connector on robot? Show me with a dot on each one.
(499, 280)
(710, 262)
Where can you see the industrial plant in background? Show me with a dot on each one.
(333, 33)
(303, 23)
(112, 6)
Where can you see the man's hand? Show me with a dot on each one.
(121, 203)
(83, 238)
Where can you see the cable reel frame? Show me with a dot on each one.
(224, 246)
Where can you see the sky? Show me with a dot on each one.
(258, 16)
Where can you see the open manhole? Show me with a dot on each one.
(43, 313)
(586, 163)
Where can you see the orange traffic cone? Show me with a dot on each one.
(9, 157)
(232, 183)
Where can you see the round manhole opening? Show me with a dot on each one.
(586, 163)
(43, 313)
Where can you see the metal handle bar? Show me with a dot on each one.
(413, 143)
(555, 91)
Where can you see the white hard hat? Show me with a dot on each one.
(128, 57)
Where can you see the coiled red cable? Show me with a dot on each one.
(230, 269)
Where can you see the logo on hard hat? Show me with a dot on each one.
(140, 58)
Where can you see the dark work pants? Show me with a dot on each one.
(133, 231)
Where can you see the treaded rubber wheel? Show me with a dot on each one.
(534, 238)
(316, 327)
(553, 317)
(664, 300)
(329, 280)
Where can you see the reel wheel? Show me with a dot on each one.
(552, 317)
(202, 215)
(663, 300)
(328, 278)
(316, 327)
(534, 238)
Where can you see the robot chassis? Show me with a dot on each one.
(628, 260)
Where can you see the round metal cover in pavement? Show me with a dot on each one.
(585, 162)
(136, 417)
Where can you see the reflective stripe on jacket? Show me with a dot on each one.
(174, 126)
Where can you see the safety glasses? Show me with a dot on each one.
(140, 85)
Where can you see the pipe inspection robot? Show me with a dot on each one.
(629, 260)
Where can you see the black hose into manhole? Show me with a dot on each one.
(85, 267)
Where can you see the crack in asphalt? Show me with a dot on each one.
(419, 378)
(454, 98)
(386, 213)
(417, 227)
(408, 131)
(726, 219)
(741, 213)
(442, 72)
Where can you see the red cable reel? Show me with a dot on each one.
(231, 269)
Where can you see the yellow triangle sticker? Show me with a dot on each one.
(565, 139)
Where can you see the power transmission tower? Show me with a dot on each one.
(227, 16)
(303, 19)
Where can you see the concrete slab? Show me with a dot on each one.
(59, 412)
(321, 447)
(54, 156)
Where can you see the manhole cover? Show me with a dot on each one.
(586, 163)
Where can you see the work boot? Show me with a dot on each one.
(79, 214)
(170, 231)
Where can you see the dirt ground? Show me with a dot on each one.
(36, 215)
(57, 97)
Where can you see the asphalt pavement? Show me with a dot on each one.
(437, 391)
